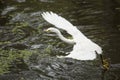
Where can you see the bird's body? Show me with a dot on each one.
(84, 48)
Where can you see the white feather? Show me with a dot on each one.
(84, 49)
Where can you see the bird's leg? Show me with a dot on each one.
(105, 63)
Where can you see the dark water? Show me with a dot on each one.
(99, 20)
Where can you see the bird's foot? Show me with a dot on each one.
(106, 64)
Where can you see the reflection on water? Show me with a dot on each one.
(99, 20)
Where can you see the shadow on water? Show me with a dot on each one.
(21, 28)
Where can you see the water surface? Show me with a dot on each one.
(98, 20)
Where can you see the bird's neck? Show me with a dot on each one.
(69, 41)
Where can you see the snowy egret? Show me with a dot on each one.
(83, 49)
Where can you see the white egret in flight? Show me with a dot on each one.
(84, 48)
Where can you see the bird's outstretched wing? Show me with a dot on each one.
(57, 20)
(84, 49)
(62, 23)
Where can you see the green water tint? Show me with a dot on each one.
(7, 57)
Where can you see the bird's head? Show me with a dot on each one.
(55, 30)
